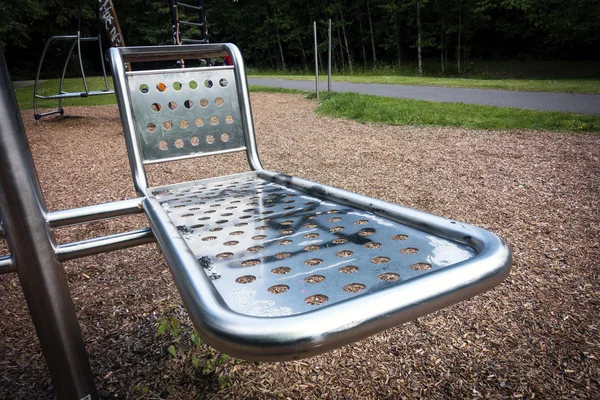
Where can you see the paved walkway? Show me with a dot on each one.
(577, 103)
(22, 84)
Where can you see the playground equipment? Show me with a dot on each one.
(270, 267)
(188, 15)
(105, 16)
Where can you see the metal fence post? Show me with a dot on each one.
(329, 58)
(316, 61)
(32, 246)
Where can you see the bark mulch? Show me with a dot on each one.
(534, 336)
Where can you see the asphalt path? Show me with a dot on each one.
(566, 102)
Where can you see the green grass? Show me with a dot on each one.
(49, 87)
(374, 109)
(591, 86)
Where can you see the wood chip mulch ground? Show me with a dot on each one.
(534, 336)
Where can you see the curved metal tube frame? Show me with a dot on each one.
(77, 42)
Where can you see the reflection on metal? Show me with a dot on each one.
(253, 229)
(32, 247)
(104, 244)
(273, 267)
(2, 230)
(6, 265)
(98, 212)
(111, 24)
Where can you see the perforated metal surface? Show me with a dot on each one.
(180, 113)
(271, 250)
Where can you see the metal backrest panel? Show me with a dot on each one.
(182, 113)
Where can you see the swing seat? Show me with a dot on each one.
(272, 267)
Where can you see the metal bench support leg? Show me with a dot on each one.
(32, 247)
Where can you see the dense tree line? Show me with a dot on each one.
(366, 33)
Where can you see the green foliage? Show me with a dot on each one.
(273, 33)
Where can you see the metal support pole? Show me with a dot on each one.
(32, 247)
(329, 59)
(316, 61)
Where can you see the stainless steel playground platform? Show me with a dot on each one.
(269, 266)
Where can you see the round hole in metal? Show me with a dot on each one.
(237, 233)
(336, 229)
(193, 85)
(366, 232)
(224, 137)
(163, 145)
(151, 127)
(223, 82)
(348, 269)
(156, 107)
(334, 219)
(380, 260)
(316, 299)
(210, 139)
(231, 243)
(209, 238)
(208, 84)
(172, 105)
(311, 235)
(282, 255)
(389, 276)
(280, 270)
(203, 103)
(314, 279)
(161, 87)
(259, 237)
(144, 88)
(168, 125)
(399, 237)
(241, 224)
(184, 124)
(214, 120)
(344, 253)
(340, 240)
(361, 222)
(177, 86)
(310, 226)
(421, 266)
(278, 289)
(194, 141)
(223, 256)
(197, 226)
(250, 263)
(354, 287)
(245, 279)
(188, 104)
(409, 250)
(284, 242)
(179, 143)
(255, 249)
(229, 118)
(312, 247)
(219, 101)
(286, 231)
(199, 122)
(372, 245)
(262, 228)
(313, 261)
